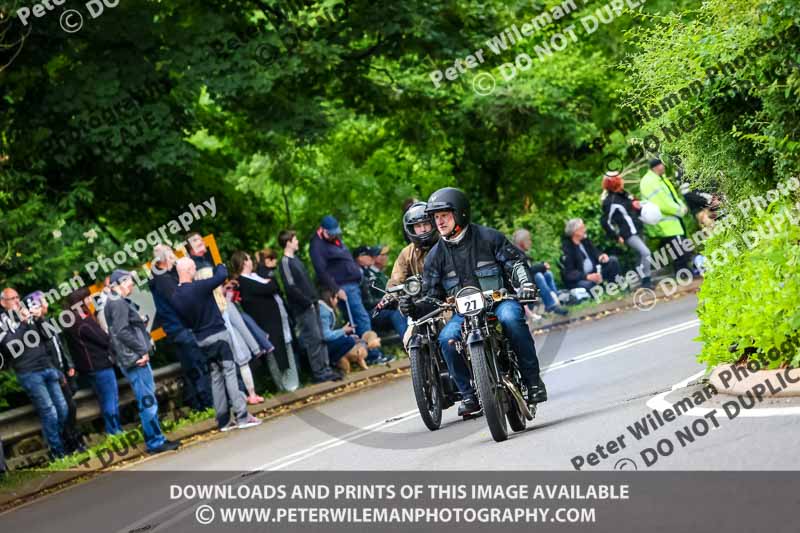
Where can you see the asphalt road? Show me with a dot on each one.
(602, 376)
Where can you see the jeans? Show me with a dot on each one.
(512, 317)
(547, 288)
(44, 389)
(358, 314)
(391, 318)
(338, 348)
(196, 384)
(144, 388)
(104, 383)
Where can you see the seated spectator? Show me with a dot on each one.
(343, 346)
(196, 386)
(91, 351)
(302, 298)
(261, 299)
(621, 222)
(338, 271)
(72, 438)
(582, 266)
(385, 319)
(33, 365)
(132, 345)
(542, 275)
(197, 308)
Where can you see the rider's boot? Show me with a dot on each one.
(537, 393)
(469, 405)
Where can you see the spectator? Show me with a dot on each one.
(62, 361)
(384, 319)
(91, 349)
(302, 298)
(196, 386)
(343, 346)
(132, 346)
(381, 259)
(621, 221)
(3, 466)
(261, 299)
(658, 190)
(582, 265)
(542, 275)
(197, 307)
(198, 251)
(100, 303)
(33, 365)
(337, 270)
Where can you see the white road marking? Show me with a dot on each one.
(660, 403)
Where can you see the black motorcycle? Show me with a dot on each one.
(495, 366)
(434, 388)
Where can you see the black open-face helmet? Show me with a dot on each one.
(450, 199)
(415, 215)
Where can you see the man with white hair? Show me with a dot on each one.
(194, 301)
(582, 265)
(542, 276)
(196, 386)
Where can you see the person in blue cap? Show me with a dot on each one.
(338, 271)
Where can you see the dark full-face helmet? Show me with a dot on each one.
(415, 215)
(450, 199)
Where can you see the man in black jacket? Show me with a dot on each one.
(25, 350)
(472, 255)
(582, 266)
(302, 298)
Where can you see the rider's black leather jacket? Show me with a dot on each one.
(483, 258)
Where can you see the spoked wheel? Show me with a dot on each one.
(491, 393)
(426, 388)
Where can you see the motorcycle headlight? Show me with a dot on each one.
(470, 301)
(413, 287)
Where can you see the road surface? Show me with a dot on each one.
(602, 376)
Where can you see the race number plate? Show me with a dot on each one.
(469, 303)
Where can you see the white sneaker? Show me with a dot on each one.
(249, 422)
(231, 425)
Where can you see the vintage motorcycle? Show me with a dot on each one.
(495, 366)
(434, 388)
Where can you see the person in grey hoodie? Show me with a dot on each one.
(131, 345)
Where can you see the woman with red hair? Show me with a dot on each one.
(621, 221)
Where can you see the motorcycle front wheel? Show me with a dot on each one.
(490, 393)
(427, 390)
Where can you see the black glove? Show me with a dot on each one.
(407, 307)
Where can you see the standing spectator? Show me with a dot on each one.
(91, 351)
(381, 259)
(621, 221)
(385, 318)
(261, 300)
(302, 298)
(542, 275)
(582, 265)
(197, 307)
(657, 189)
(343, 346)
(132, 345)
(34, 368)
(100, 303)
(196, 386)
(62, 361)
(337, 270)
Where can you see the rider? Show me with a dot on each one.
(472, 255)
(418, 227)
